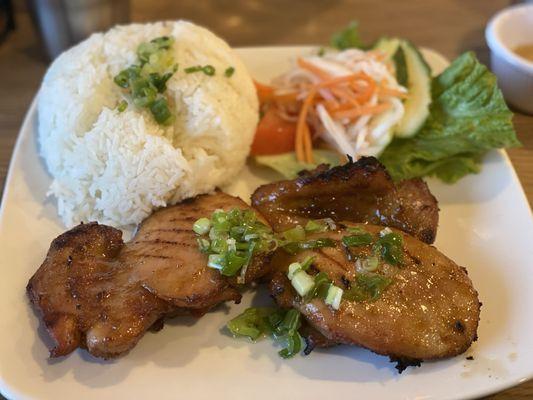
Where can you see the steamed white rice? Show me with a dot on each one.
(115, 168)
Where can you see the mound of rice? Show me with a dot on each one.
(116, 167)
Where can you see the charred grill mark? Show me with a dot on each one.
(321, 252)
(160, 241)
(184, 218)
(154, 256)
(177, 230)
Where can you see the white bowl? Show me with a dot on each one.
(508, 29)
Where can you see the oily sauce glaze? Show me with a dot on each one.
(94, 291)
(360, 191)
(429, 311)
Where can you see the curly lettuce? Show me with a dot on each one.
(468, 117)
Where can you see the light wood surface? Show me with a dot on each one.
(448, 26)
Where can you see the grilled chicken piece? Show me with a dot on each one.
(429, 311)
(359, 191)
(94, 291)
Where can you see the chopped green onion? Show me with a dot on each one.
(367, 287)
(232, 244)
(209, 70)
(302, 282)
(122, 106)
(232, 263)
(294, 345)
(146, 50)
(249, 253)
(203, 244)
(295, 247)
(287, 330)
(369, 264)
(215, 261)
(202, 226)
(282, 325)
(295, 234)
(316, 226)
(390, 247)
(143, 92)
(357, 240)
(160, 81)
(253, 322)
(356, 230)
(146, 82)
(293, 269)
(318, 243)
(334, 296)
(163, 42)
(234, 237)
(229, 72)
(385, 231)
(191, 70)
(126, 76)
(307, 262)
(322, 283)
(161, 112)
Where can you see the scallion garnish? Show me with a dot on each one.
(316, 225)
(161, 112)
(322, 283)
(390, 247)
(122, 106)
(231, 238)
(308, 262)
(296, 234)
(334, 296)
(367, 287)
(295, 247)
(302, 282)
(209, 70)
(191, 70)
(229, 72)
(281, 325)
(357, 240)
(146, 82)
(369, 264)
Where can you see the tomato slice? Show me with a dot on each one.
(274, 135)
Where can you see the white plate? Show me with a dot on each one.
(486, 225)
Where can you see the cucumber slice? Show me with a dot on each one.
(419, 89)
(401, 66)
(388, 46)
(414, 73)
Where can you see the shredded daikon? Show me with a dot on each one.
(355, 114)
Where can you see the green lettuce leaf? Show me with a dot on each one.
(468, 117)
(288, 166)
(347, 38)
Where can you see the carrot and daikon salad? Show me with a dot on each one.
(348, 100)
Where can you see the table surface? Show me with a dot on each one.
(448, 26)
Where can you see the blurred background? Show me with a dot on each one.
(33, 32)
